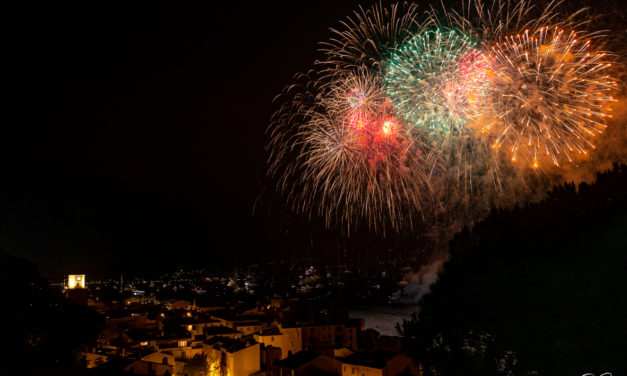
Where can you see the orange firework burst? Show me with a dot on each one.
(548, 96)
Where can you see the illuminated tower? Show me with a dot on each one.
(76, 290)
(76, 281)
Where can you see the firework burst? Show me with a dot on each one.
(351, 160)
(424, 80)
(548, 96)
(355, 95)
(372, 173)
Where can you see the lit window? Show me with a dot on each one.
(144, 343)
(182, 343)
(189, 327)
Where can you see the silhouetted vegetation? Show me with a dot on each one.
(535, 290)
(42, 329)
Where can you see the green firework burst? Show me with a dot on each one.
(424, 80)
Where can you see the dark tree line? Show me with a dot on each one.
(42, 330)
(540, 289)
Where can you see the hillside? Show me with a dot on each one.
(541, 288)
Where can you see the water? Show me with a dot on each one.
(383, 319)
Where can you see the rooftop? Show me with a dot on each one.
(247, 323)
(297, 360)
(273, 331)
(376, 359)
(192, 320)
(218, 330)
(229, 344)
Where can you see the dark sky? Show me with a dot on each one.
(134, 133)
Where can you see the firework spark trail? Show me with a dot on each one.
(368, 37)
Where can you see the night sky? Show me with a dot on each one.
(134, 134)
(135, 131)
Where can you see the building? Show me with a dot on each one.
(221, 331)
(351, 331)
(94, 359)
(134, 320)
(181, 348)
(269, 355)
(195, 325)
(76, 290)
(324, 338)
(307, 363)
(319, 337)
(342, 352)
(378, 363)
(288, 339)
(248, 327)
(232, 357)
(141, 367)
(246, 324)
(179, 304)
(76, 281)
(160, 357)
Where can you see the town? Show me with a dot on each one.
(199, 323)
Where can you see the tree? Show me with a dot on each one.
(197, 366)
